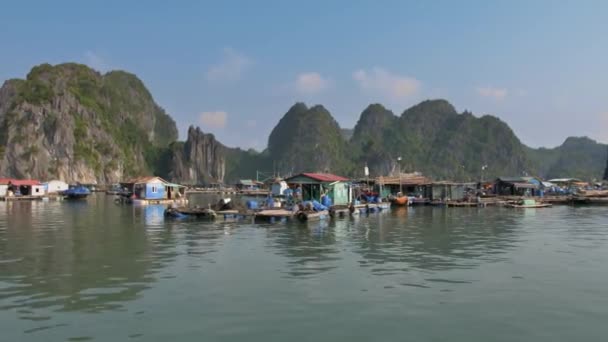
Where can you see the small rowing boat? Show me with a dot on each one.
(528, 203)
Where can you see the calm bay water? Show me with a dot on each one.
(104, 272)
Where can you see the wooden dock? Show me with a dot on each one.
(24, 198)
(589, 200)
(181, 201)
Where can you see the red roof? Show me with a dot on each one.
(324, 177)
(19, 182)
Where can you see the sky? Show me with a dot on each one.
(235, 67)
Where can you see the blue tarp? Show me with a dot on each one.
(326, 201)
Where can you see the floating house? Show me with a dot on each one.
(55, 186)
(568, 183)
(411, 184)
(21, 188)
(313, 185)
(278, 187)
(248, 184)
(518, 186)
(441, 191)
(153, 190)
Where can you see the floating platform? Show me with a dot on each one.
(24, 198)
(254, 193)
(159, 201)
(465, 204)
(589, 201)
(273, 215)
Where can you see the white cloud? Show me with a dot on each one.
(213, 119)
(251, 123)
(386, 83)
(497, 94)
(230, 68)
(95, 61)
(311, 82)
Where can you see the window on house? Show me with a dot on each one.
(37, 190)
(154, 189)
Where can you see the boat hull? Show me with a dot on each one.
(400, 201)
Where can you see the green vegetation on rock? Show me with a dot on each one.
(69, 121)
(308, 139)
(110, 123)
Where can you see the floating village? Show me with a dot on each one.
(318, 196)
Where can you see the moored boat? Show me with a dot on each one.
(528, 203)
(76, 192)
(306, 216)
(399, 200)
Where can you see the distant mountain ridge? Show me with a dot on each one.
(433, 138)
(73, 123)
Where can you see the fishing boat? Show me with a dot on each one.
(528, 203)
(203, 213)
(306, 216)
(399, 199)
(76, 192)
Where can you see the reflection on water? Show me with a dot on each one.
(310, 248)
(71, 257)
(434, 239)
(60, 260)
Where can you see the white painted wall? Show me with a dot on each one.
(56, 186)
(38, 190)
(278, 188)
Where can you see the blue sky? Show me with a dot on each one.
(235, 67)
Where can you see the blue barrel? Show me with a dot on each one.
(252, 205)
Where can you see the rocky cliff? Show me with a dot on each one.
(72, 123)
(200, 160)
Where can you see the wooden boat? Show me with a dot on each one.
(419, 201)
(191, 212)
(208, 214)
(528, 203)
(399, 200)
(307, 216)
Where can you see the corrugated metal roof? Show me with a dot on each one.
(564, 180)
(146, 179)
(20, 182)
(249, 182)
(320, 177)
(405, 179)
(525, 185)
(513, 179)
(175, 185)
